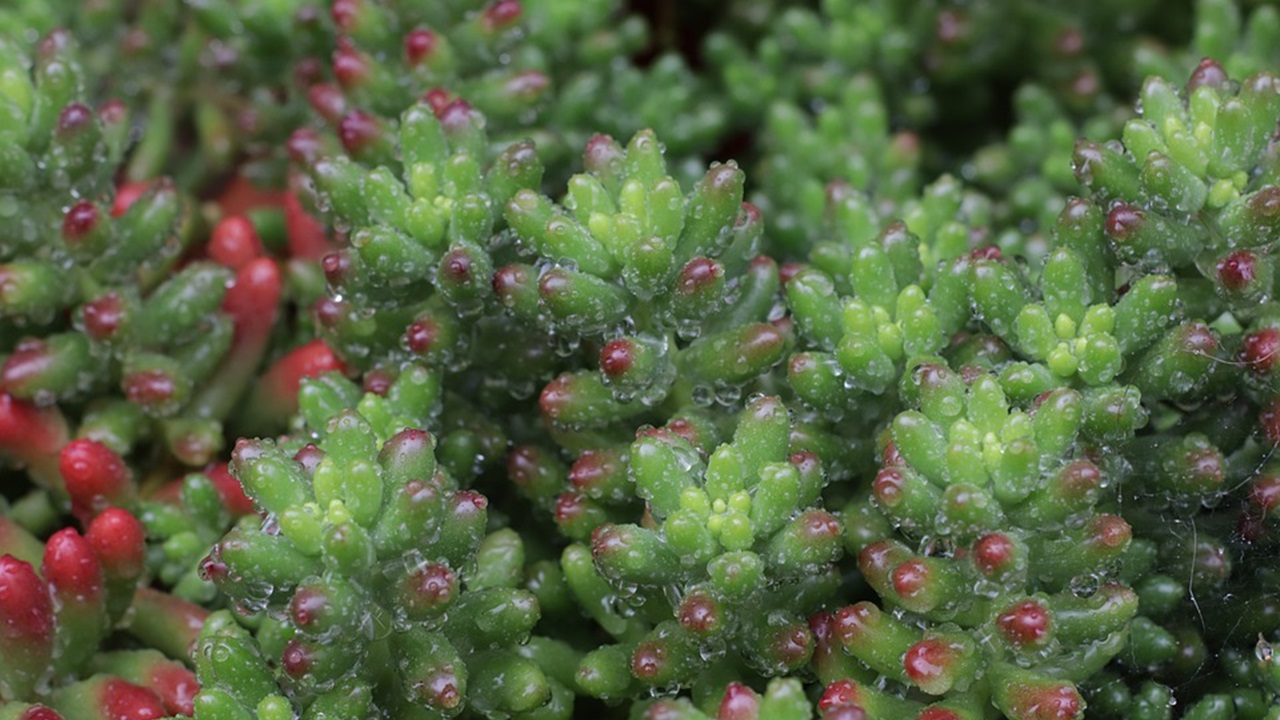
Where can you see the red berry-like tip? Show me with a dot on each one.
(931, 376)
(469, 504)
(911, 578)
(1204, 469)
(527, 85)
(377, 381)
(1026, 624)
(822, 625)
(522, 464)
(1052, 701)
(557, 396)
(1238, 270)
(986, 252)
(71, 567)
(127, 195)
(649, 660)
(456, 116)
(502, 14)
(330, 312)
(39, 712)
(439, 690)
(792, 646)
(176, 687)
(456, 266)
(296, 659)
(149, 387)
(212, 568)
(1208, 73)
(229, 490)
(890, 457)
(304, 146)
(438, 98)
(1264, 493)
(74, 118)
(345, 13)
(350, 67)
(103, 316)
(1123, 220)
(600, 152)
(1260, 349)
(819, 526)
(570, 507)
(789, 270)
(26, 609)
(94, 475)
(929, 664)
(606, 539)
(681, 427)
(430, 587)
(421, 336)
(1264, 205)
(1197, 338)
(887, 486)
(1111, 531)
(328, 101)
(762, 340)
(507, 281)
(699, 613)
(739, 703)
(113, 112)
(845, 712)
(309, 457)
(337, 268)
(308, 606)
(358, 130)
(591, 468)
(851, 622)
(79, 221)
(554, 282)
(29, 361)
(617, 357)
(806, 462)
(119, 540)
(993, 554)
(125, 701)
(419, 45)
(1079, 478)
(698, 274)
(840, 693)
(878, 558)
(234, 242)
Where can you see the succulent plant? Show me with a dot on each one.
(336, 383)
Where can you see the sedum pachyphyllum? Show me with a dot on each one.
(533, 67)
(122, 319)
(733, 553)
(66, 600)
(383, 590)
(873, 420)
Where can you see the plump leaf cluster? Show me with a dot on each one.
(536, 359)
